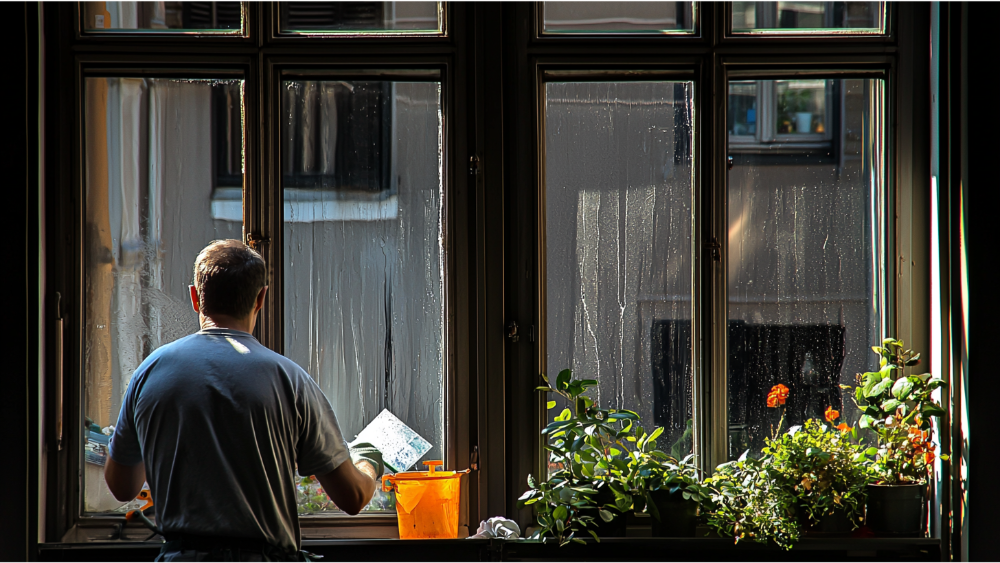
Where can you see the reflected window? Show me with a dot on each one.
(783, 116)
(821, 18)
(618, 17)
(806, 255)
(618, 257)
(361, 18)
(153, 147)
(217, 18)
(363, 254)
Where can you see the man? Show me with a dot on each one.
(218, 424)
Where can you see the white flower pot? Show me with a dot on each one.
(803, 121)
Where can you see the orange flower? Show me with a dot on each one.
(777, 396)
(928, 457)
(843, 427)
(831, 414)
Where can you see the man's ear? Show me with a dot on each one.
(194, 299)
(260, 300)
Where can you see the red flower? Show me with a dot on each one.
(843, 427)
(831, 414)
(777, 396)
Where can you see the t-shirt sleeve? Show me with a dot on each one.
(124, 447)
(321, 446)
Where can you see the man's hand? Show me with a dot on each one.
(366, 455)
(367, 468)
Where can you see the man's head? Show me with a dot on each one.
(229, 277)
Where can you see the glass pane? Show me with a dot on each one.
(809, 17)
(326, 18)
(806, 256)
(618, 17)
(163, 17)
(163, 178)
(801, 107)
(618, 228)
(363, 245)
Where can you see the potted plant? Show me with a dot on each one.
(825, 472)
(749, 500)
(590, 483)
(795, 104)
(674, 492)
(899, 409)
(811, 478)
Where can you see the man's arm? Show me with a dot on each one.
(125, 481)
(348, 488)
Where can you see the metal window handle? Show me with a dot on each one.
(255, 240)
(512, 331)
(715, 248)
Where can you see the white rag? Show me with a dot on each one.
(498, 527)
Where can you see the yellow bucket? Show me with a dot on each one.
(427, 502)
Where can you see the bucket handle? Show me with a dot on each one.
(389, 483)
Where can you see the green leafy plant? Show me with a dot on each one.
(600, 461)
(666, 473)
(749, 502)
(802, 475)
(898, 408)
(822, 468)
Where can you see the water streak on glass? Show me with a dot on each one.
(618, 17)
(163, 178)
(194, 18)
(363, 250)
(361, 18)
(618, 228)
(806, 265)
(817, 18)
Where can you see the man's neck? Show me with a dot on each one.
(225, 321)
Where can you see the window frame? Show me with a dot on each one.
(83, 524)
(491, 206)
(254, 59)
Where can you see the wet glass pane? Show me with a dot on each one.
(794, 18)
(226, 18)
(618, 226)
(806, 271)
(364, 18)
(618, 17)
(163, 177)
(363, 252)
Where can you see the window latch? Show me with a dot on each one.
(512, 331)
(474, 458)
(255, 240)
(474, 165)
(715, 248)
(730, 163)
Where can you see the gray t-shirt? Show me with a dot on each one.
(221, 423)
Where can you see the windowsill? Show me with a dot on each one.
(609, 549)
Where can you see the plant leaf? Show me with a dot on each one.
(562, 380)
(902, 388)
